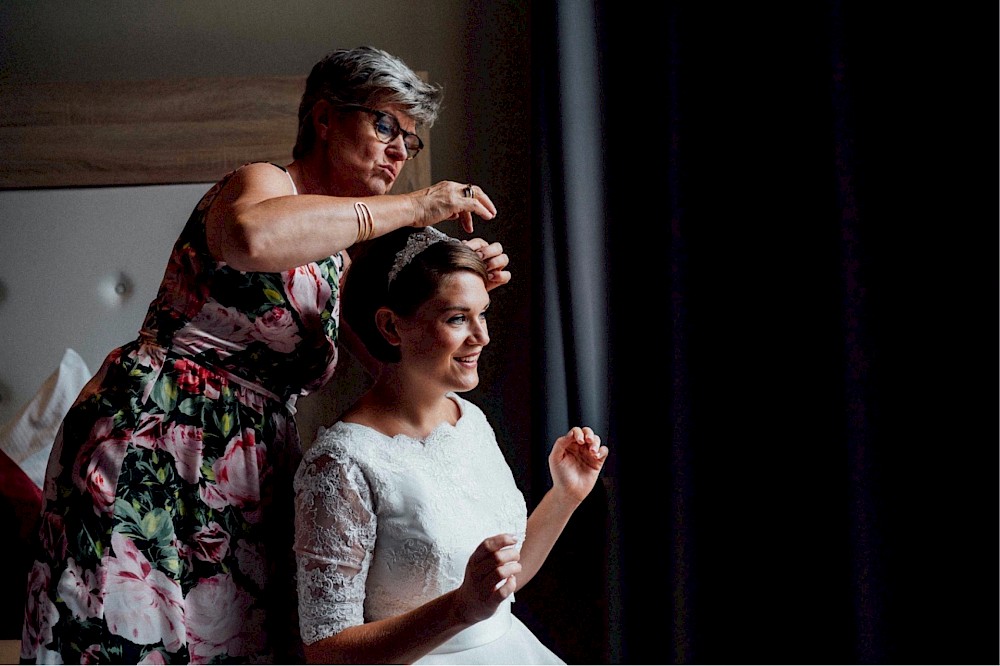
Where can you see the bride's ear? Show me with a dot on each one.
(385, 321)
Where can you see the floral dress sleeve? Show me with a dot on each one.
(334, 538)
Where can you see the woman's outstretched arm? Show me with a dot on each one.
(575, 462)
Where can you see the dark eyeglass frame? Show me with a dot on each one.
(395, 129)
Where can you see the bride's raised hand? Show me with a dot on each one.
(576, 461)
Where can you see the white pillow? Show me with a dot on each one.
(28, 437)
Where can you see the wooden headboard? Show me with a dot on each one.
(154, 132)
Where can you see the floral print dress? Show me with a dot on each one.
(167, 525)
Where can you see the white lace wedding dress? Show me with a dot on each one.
(384, 524)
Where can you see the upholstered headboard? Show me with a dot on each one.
(78, 268)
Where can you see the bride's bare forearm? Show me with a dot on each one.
(545, 524)
(397, 640)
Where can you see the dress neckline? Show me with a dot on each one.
(295, 190)
(444, 425)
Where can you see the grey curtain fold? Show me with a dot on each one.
(574, 248)
(571, 327)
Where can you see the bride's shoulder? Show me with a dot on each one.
(469, 412)
(331, 441)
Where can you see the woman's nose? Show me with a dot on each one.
(397, 147)
(481, 333)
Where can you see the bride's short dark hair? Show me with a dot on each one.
(367, 287)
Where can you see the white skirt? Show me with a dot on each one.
(502, 639)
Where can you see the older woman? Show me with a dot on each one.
(166, 528)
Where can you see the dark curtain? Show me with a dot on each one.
(766, 238)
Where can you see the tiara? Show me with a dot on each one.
(416, 243)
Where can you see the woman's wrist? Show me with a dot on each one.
(563, 499)
(414, 212)
(457, 611)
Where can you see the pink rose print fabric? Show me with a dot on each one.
(167, 521)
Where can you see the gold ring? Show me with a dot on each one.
(467, 192)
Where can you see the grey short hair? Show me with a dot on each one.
(365, 76)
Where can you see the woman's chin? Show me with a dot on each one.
(467, 383)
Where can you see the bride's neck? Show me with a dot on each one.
(402, 407)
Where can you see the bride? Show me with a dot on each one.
(411, 535)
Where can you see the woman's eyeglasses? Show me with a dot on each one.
(387, 129)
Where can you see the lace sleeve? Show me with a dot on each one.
(334, 539)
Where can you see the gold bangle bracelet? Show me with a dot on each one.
(366, 225)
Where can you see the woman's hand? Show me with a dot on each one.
(576, 461)
(449, 200)
(496, 261)
(489, 577)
